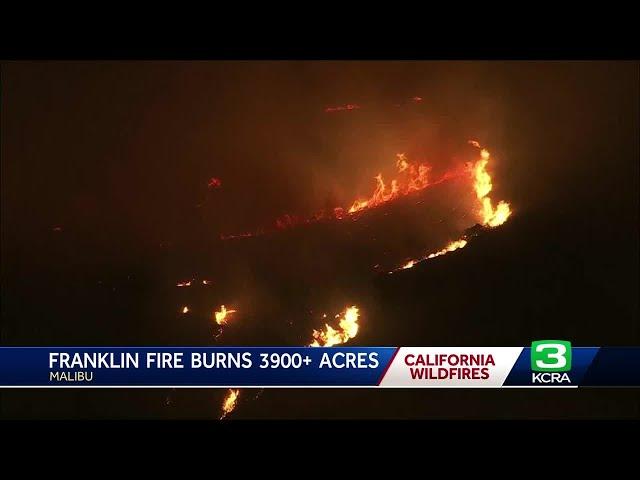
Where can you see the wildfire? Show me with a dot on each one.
(409, 264)
(347, 329)
(214, 182)
(222, 316)
(230, 402)
(415, 177)
(455, 245)
(185, 309)
(491, 217)
(412, 177)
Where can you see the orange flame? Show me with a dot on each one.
(222, 316)
(409, 264)
(347, 329)
(184, 284)
(455, 245)
(491, 217)
(230, 402)
(402, 163)
(185, 309)
(415, 178)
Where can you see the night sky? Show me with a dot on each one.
(105, 206)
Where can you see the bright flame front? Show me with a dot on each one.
(230, 402)
(455, 245)
(347, 329)
(223, 315)
(491, 217)
(414, 177)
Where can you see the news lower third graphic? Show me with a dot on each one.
(546, 363)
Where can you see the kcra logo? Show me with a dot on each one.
(550, 361)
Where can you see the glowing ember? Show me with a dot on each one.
(341, 108)
(491, 217)
(184, 284)
(347, 329)
(214, 182)
(222, 316)
(185, 309)
(237, 235)
(207, 282)
(230, 402)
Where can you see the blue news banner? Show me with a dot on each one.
(264, 367)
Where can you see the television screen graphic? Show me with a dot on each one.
(260, 239)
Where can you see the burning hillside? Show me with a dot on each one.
(410, 178)
(488, 215)
(365, 237)
(120, 178)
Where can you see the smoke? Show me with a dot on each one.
(109, 205)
